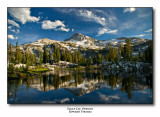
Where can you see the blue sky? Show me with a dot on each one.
(31, 24)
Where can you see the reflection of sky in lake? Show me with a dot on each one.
(120, 90)
(64, 96)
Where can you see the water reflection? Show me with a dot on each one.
(80, 83)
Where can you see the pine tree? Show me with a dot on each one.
(45, 55)
(10, 54)
(112, 55)
(128, 51)
(99, 58)
(56, 54)
(75, 57)
(121, 52)
(68, 56)
(89, 61)
(107, 58)
(84, 61)
(19, 57)
(40, 58)
(63, 56)
(27, 59)
(16, 54)
(94, 59)
(79, 57)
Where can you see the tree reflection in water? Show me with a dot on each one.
(124, 81)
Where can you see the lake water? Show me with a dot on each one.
(82, 87)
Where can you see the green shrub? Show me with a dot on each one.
(11, 68)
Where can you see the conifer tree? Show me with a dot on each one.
(128, 50)
(112, 55)
(16, 54)
(40, 58)
(94, 59)
(56, 54)
(99, 58)
(63, 56)
(45, 55)
(75, 57)
(89, 61)
(68, 56)
(121, 52)
(10, 54)
(79, 57)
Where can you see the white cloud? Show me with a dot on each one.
(56, 25)
(13, 30)
(22, 15)
(150, 30)
(10, 27)
(63, 29)
(12, 37)
(106, 30)
(72, 30)
(13, 23)
(90, 16)
(103, 18)
(142, 35)
(16, 37)
(129, 10)
(86, 14)
(18, 31)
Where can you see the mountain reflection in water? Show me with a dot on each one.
(80, 86)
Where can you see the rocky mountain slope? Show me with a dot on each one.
(83, 43)
(86, 40)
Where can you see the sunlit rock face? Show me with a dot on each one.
(82, 39)
(82, 42)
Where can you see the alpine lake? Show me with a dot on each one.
(66, 86)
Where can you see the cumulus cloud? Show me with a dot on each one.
(129, 10)
(13, 23)
(90, 16)
(63, 29)
(22, 15)
(150, 30)
(98, 16)
(55, 25)
(12, 37)
(106, 30)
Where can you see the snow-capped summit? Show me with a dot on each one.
(82, 42)
(81, 39)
